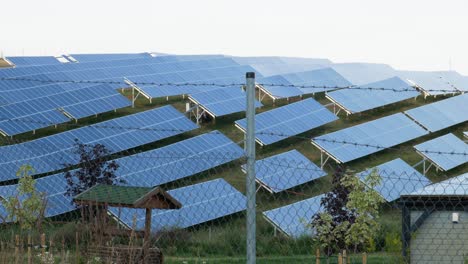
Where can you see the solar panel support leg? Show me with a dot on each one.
(250, 169)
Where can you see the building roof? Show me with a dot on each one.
(128, 196)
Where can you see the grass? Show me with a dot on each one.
(213, 241)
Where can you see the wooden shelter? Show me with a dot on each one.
(102, 196)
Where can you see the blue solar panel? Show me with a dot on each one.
(293, 219)
(363, 73)
(225, 75)
(269, 66)
(385, 132)
(52, 152)
(446, 144)
(45, 111)
(441, 114)
(286, 170)
(108, 57)
(33, 60)
(278, 91)
(201, 203)
(178, 160)
(454, 78)
(397, 178)
(222, 101)
(457, 186)
(286, 121)
(466, 134)
(430, 82)
(354, 100)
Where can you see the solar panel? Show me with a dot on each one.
(286, 121)
(293, 219)
(178, 160)
(363, 73)
(429, 82)
(33, 60)
(46, 111)
(326, 77)
(454, 78)
(466, 134)
(397, 178)
(446, 144)
(441, 114)
(223, 101)
(354, 100)
(52, 152)
(456, 186)
(108, 57)
(233, 74)
(385, 132)
(201, 203)
(285, 170)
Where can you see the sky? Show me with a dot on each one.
(407, 34)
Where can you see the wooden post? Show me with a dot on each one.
(29, 249)
(364, 258)
(317, 256)
(17, 245)
(63, 250)
(345, 257)
(43, 245)
(340, 259)
(146, 241)
(77, 249)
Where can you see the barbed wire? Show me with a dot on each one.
(333, 141)
(182, 84)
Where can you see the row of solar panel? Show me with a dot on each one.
(445, 152)
(51, 153)
(397, 178)
(173, 162)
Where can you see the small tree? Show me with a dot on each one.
(26, 207)
(93, 169)
(349, 218)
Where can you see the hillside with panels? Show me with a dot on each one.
(178, 122)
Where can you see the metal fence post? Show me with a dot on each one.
(250, 181)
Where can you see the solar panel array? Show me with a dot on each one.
(289, 120)
(466, 134)
(293, 219)
(45, 111)
(456, 186)
(441, 114)
(397, 178)
(459, 81)
(430, 82)
(50, 153)
(21, 61)
(354, 100)
(223, 101)
(446, 144)
(178, 160)
(285, 170)
(269, 66)
(384, 132)
(201, 203)
(326, 77)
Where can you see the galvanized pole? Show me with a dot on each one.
(250, 181)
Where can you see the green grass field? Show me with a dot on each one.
(223, 240)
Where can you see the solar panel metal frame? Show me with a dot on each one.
(446, 144)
